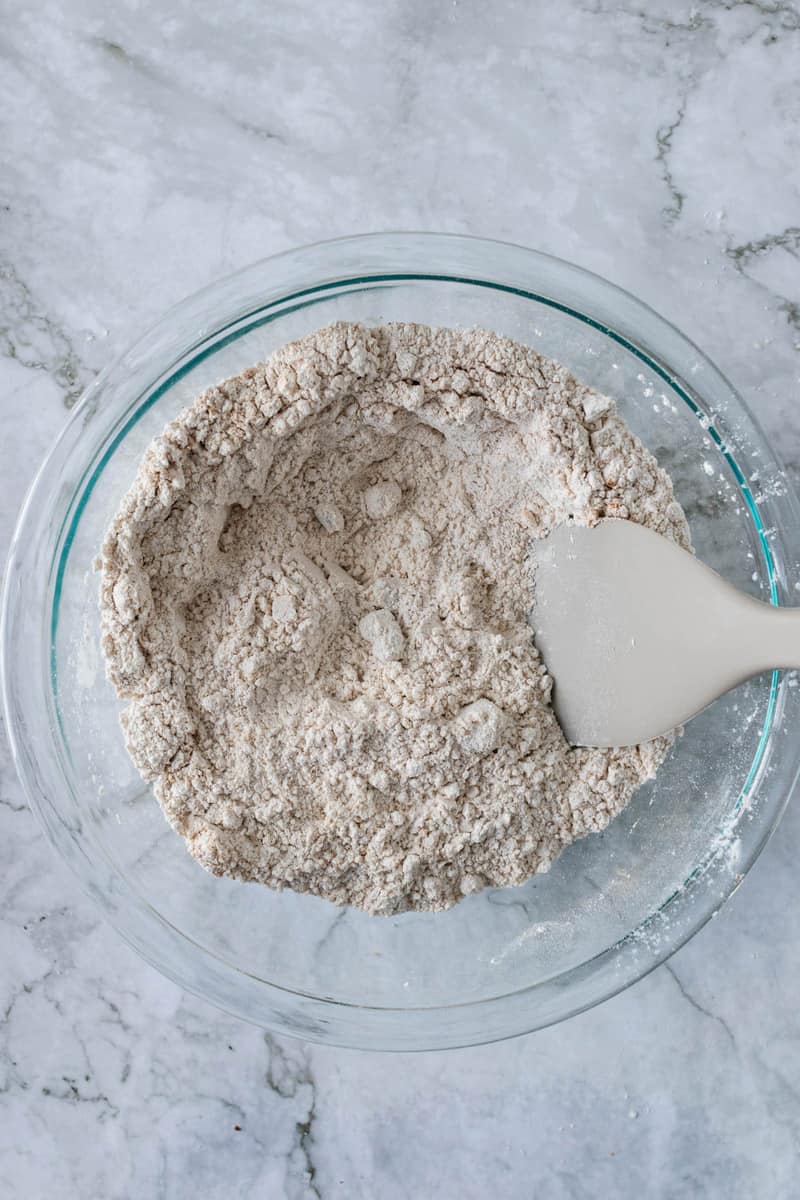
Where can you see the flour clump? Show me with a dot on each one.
(315, 600)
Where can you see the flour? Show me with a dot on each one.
(315, 598)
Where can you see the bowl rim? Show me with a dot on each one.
(375, 255)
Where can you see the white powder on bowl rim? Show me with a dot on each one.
(315, 598)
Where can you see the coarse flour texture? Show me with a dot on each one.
(315, 597)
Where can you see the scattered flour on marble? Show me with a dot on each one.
(315, 599)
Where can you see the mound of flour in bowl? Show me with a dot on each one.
(315, 598)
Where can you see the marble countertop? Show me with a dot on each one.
(151, 148)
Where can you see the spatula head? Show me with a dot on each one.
(636, 633)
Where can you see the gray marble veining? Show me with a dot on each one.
(149, 149)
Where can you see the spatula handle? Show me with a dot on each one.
(770, 638)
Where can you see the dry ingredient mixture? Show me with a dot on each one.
(315, 598)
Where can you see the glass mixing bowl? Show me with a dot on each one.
(502, 962)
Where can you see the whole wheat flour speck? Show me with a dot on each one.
(315, 598)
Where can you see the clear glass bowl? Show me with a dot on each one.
(500, 963)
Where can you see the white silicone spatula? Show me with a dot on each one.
(639, 635)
